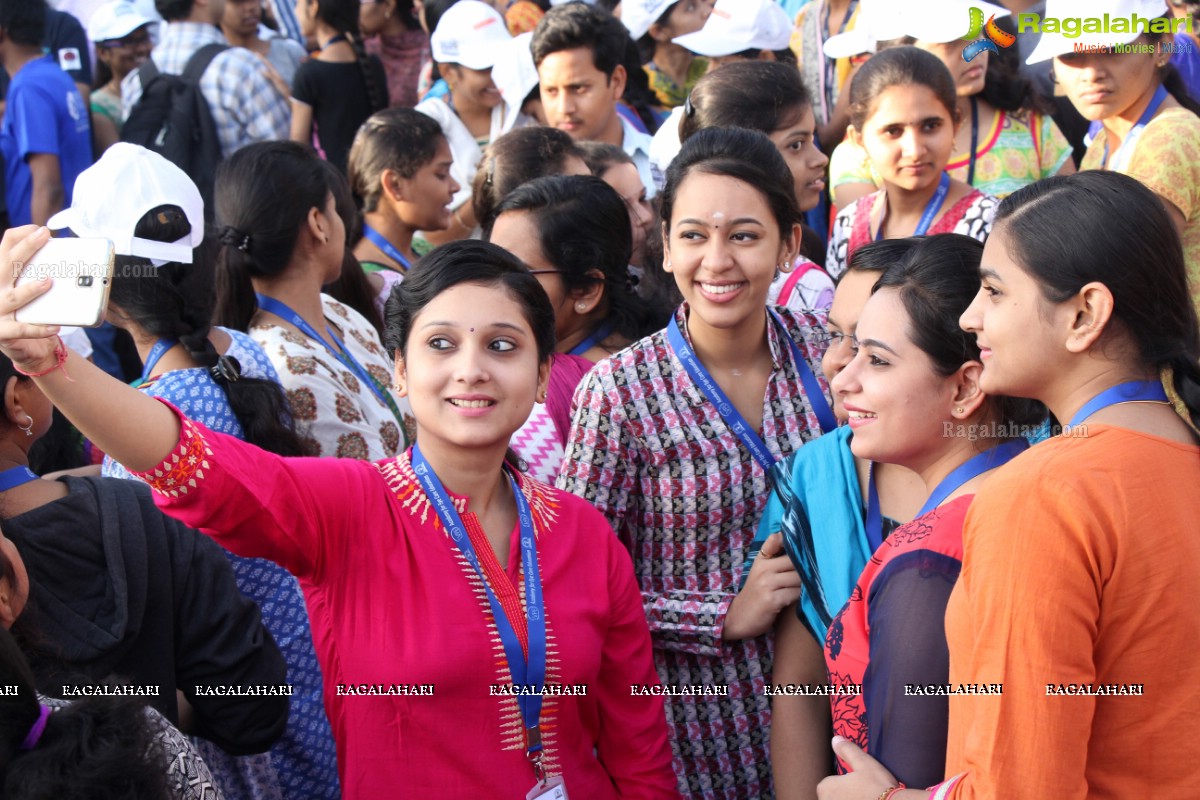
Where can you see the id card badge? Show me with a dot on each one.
(552, 789)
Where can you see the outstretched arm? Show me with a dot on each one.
(136, 430)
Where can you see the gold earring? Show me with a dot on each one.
(958, 410)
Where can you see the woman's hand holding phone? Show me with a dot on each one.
(31, 347)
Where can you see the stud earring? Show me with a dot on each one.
(958, 410)
(27, 427)
(581, 307)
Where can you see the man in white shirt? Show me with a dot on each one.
(578, 51)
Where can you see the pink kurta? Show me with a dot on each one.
(393, 603)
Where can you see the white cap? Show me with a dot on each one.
(514, 73)
(470, 34)
(639, 15)
(116, 20)
(925, 20)
(737, 25)
(1057, 44)
(113, 194)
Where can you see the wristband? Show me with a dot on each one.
(60, 362)
(887, 793)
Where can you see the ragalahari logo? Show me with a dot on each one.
(992, 36)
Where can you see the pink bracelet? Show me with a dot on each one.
(887, 793)
(60, 362)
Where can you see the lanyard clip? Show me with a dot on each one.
(533, 751)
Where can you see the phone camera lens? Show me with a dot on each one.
(84, 280)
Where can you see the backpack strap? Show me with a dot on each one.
(789, 286)
(200, 60)
(147, 72)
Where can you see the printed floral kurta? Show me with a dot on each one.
(335, 413)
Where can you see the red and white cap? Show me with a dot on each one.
(470, 34)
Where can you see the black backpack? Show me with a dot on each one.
(173, 119)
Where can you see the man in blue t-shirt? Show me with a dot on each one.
(45, 136)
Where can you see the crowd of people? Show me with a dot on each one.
(529, 397)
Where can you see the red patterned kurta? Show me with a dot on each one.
(394, 605)
(651, 452)
(971, 216)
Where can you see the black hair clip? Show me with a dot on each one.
(235, 238)
(226, 370)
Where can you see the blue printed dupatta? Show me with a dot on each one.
(817, 505)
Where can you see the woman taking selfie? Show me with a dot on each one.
(435, 661)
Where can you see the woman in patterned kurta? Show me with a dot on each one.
(280, 249)
(651, 451)
(405, 634)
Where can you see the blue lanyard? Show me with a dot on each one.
(974, 139)
(531, 673)
(1125, 151)
(16, 476)
(598, 336)
(736, 422)
(160, 348)
(1128, 392)
(931, 209)
(972, 468)
(390, 250)
(874, 521)
(283, 311)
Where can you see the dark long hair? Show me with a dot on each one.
(342, 16)
(514, 158)
(352, 287)
(175, 301)
(762, 96)
(937, 278)
(584, 226)
(97, 748)
(468, 261)
(1131, 246)
(264, 192)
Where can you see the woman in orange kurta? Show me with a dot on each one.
(1081, 573)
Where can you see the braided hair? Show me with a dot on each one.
(342, 16)
(175, 301)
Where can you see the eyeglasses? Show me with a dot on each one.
(834, 338)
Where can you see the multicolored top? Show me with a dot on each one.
(1167, 160)
(669, 93)
(651, 452)
(890, 636)
(335, 413)
(404, 632)
(1021, 147)
(824, 81)
(303, 763)
(971, 216)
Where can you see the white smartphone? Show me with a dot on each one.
(82, 273)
